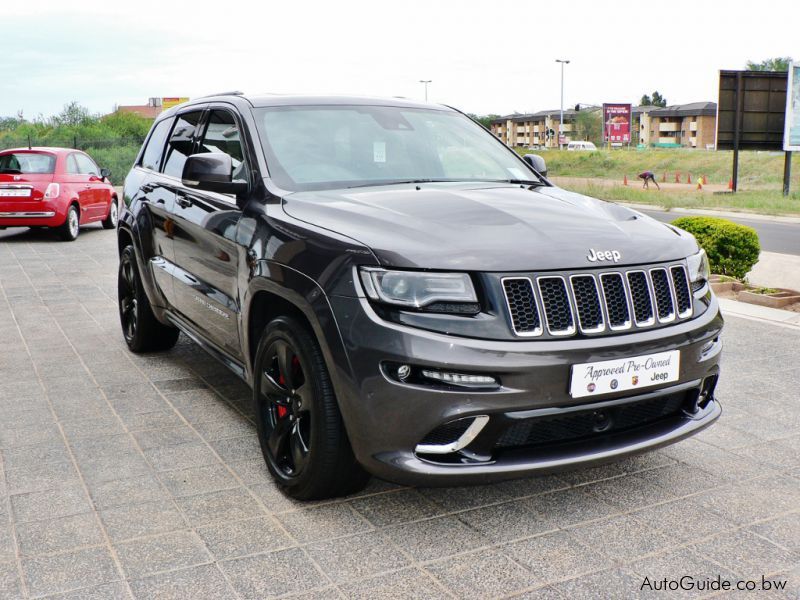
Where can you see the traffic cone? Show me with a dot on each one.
(689, 178)
(677, 177)
(730, 184)
(625, 180)
(705, 180)
(664, 178)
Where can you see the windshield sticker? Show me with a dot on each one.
(379, 152)
(516, 173)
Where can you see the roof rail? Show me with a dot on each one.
(233, 93)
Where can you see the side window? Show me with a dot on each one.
(151, 158)
(222, 135)
(180, 143)
(86, 165)
(72, 165)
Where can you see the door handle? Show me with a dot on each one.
(183, 202)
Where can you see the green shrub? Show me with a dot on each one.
(732, 249)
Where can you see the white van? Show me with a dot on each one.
(574, 146)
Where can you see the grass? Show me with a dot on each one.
(756, 169)
(770, 202)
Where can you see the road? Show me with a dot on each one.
(783, 238)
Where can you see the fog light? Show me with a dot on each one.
(403, 371)
(460, 378)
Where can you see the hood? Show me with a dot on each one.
(489, 227)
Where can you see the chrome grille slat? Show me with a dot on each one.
(587, 303)
(598, 302)
(616, 300)
(522, 307)
(665, 298)
(556, 305)
(642, 298)
(683, 297)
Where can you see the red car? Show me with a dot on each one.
(59, 188)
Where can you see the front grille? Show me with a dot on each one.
(585, 424)
(598, 303)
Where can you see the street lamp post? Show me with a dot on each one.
(425, 82)
(561, 119)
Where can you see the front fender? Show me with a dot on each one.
(307, 296)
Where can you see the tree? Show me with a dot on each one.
(589, 126)
(485, 120)
(656, 100)
(780, 63)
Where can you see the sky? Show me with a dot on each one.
(485, 57)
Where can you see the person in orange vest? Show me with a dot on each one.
(647, 177)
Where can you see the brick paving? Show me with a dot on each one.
(126, 476)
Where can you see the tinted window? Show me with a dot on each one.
(151, 159)
(180, 143)
(86, 165)
(27, 162)
(222, 135)
(72, 165)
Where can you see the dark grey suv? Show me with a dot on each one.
(408, 297)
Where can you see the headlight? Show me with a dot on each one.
(699, 270)
(416, 289)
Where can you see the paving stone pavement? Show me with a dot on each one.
(125, 476)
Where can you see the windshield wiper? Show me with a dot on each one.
(396, 182)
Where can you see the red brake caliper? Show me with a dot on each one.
(282, 410)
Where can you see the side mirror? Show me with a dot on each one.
(211, 172)
(105, 173)
(537, 163)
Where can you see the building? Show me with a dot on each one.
(640, 124)
(154, 106)
(683, 126)
(534, 129)
(150, 110)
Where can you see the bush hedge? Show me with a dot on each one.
(732, 249)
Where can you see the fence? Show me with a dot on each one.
(115, 154)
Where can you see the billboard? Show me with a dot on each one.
(751, 110)
(791, 133)
(167, 103)
(617, 123)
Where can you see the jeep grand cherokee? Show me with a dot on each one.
(408, 297)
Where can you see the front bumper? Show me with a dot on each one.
(386, 419)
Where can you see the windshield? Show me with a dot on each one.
(327, 147)
(27, 163)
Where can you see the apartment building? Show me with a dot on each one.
(683, 125)
(531, 129)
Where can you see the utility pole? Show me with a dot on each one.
(425, 82)
(561, 120)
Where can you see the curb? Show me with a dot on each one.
(715, 213)
(775, 316)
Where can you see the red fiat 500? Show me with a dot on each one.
(59, 188)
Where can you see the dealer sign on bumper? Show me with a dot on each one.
(619, 375)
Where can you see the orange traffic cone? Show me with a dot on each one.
(730, 184)
(625, 180)
(705, 180)
(664, 178)
(689, 178)
(677, 177)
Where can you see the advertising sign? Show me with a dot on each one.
(167, 103)
(751, 110)
(791, 133)
(617, 123)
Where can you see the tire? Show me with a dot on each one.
(110, 222)
(142, 331)
(300, 428)
(71, 227)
